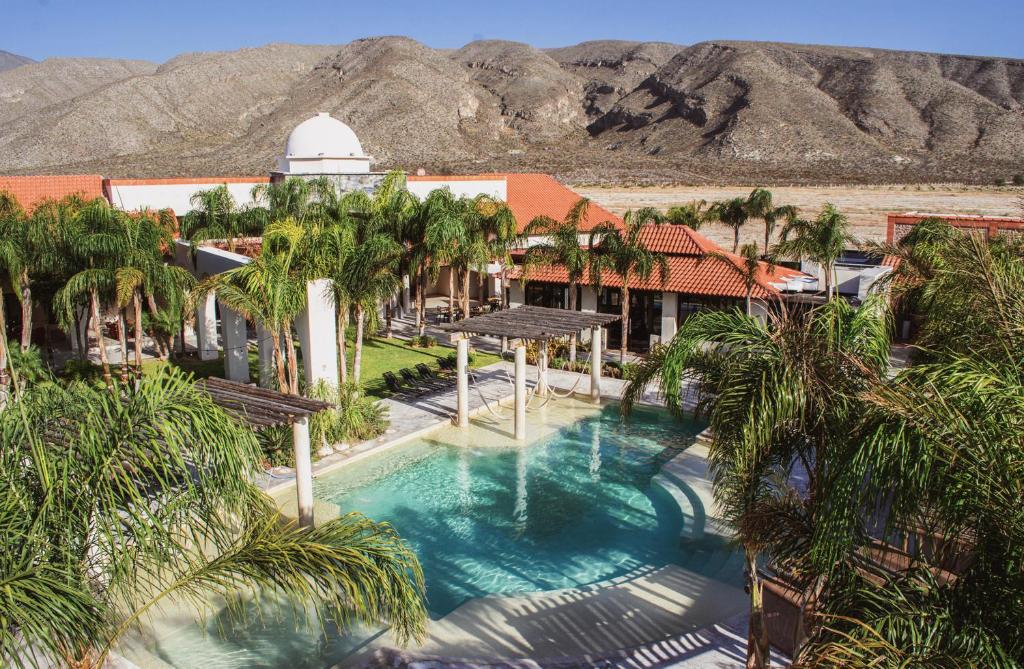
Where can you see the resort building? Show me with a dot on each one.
(898, 225)
(696, 281)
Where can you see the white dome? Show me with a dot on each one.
(322, 137)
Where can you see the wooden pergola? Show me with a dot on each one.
(260, 408)
(540, 324)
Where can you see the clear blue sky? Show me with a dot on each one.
(159, 29)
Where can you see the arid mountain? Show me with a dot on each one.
(9, 61)
(607, 111)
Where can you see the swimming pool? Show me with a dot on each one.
(579, 503)
(487, 515)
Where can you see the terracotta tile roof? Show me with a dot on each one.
(676, 240)
(29, 190)
(530, 195)
(690, 271)
(185, 180)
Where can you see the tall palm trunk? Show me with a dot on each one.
(465, 293)
(451, 292)
(572, 337)
(747, 301)
(341, 314)
(137, 308)
(422, 302)
(290, 357)
(5, 381)
(625, 322)
(97, 327)
(757, 632)
(357, 357)
(26, 311)
(504, 286)
(122, 340)
(83, 342)
(829, 280)
(767, 236)
(160, 351)
(735, 238)
(388, 312)
(282, 377)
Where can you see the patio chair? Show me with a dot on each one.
(446, 364)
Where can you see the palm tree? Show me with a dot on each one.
(443, 229)
(747, 267)
(760, 205)
(215, 215)
(939, 447)
(114, 505)
(561, 246)
(269, 292)
(622, 251)
(502, 232)
(290, 198)
(822, 240)
(10, 268)
(732, 212)
(692, 214)
(94, 241)
(780, 397)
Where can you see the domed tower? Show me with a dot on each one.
(324, 146)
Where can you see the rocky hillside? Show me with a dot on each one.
(9, 61)
(607, 111)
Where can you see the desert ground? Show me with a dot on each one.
(866, 206)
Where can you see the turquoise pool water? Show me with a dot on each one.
(572, 506)
(489, 516)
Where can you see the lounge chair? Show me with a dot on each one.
(423, 384)
(397, 389)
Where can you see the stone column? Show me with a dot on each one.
(303, 471)
(520, 419)
(669, 316)
(595, 364)
(236, 345)
(542, 368)
(206, 328)
(317, 330)
(462, 387)
(406, 295)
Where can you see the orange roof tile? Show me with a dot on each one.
(690, 270)
(186, 180)
(30, 190)
(676, 240)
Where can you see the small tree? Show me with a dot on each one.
(561, 247)
(732, 212)
(747, 267)
(760, 205)
(822, 240)
(622, 251)
(692, 214)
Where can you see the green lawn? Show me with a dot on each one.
(379, 355)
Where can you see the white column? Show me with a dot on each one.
(236, 345)
(520, 420)
(303, 471)
(206, 327)
(462, 387)
(406, 295)
(542, 367)
(595, 364)
(318, 335)
(265, 342)
(669, 316)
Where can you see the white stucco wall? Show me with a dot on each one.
(132, 197)
(496, 188)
